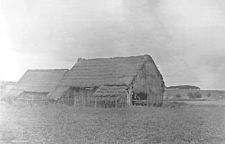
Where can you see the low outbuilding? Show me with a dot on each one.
(36, 84)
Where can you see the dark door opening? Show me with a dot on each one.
(139, 99)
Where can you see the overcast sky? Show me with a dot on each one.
(186, 38)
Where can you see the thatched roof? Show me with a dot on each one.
(105, 71)
(58, 92)
(40, 81)
(118, 71)
(112, 91)
(32, 96)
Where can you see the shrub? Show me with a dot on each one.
(190, 95)
(194, 95)
(209, 94)
(198, 95)
(178, 96)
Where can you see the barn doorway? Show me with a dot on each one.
(139, 99)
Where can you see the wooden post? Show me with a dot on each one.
(129, 98)
(75, 100)
(85, 98)
(148, 97)
(152, 102)
(32, 101)
(95, 103)
(152, 95)
(88, 98)
(82, 99)
(67, 97)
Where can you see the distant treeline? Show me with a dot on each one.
(183, 87)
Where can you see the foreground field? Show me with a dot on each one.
(175, 123)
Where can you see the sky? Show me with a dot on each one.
(186, 38)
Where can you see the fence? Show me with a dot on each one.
(139, 102)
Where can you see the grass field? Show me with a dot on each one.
(174, 123)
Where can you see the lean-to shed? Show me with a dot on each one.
(111, 82)
(36, 84)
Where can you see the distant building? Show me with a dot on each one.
(36, 84)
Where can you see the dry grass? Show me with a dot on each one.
(172, 124)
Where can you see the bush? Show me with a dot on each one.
(198, 95)
(178, 96)
(209, 94)
(194, 95)
(190, 95)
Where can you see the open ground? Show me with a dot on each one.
(174, 123)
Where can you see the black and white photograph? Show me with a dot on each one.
(112, 72)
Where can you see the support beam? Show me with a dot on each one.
(95, 103)
(129, 96)
(88, 100)
(148, 97)
(75, 100)
(67, 98)
(83, 99)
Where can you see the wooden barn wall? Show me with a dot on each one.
(77, 97)
(84, 97)
(31, 98)
(148, 82)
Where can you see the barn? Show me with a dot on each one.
(36, 84)
(111, 82)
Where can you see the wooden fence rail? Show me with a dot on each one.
(139, 102)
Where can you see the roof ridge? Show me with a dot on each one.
(46, 69)
(100, 58)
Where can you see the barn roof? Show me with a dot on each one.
(104, 71)
(117, 71)
(110, 91)
(43, 80)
